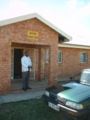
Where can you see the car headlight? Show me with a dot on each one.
(58, 97)
(74, 105)
(47, 93)
(61, 99)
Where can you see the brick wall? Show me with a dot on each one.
(71, 62)
(17, 33)
(5, 61)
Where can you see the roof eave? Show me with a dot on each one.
(66, 45)
(35, 15)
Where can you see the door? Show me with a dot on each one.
(17, 63)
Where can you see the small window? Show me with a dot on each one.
(59, 57)
(47, 56)
(83, 57)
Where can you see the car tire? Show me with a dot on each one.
(88, 117)
(76, 119)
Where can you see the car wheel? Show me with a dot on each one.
(83, 118)
(88, 118)
(76, 119)
(67, 117)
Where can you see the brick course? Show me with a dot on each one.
(17, 33)
(15, 36)
(71, 61)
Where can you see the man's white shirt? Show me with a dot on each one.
(26, 62)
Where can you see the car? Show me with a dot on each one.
(72, 98)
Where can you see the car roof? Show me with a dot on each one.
(86, 70)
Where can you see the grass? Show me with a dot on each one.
(34, 109)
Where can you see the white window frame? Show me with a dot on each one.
(61, 57)
(47, 56)
(83, 60)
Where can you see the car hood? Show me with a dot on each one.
(78, 93)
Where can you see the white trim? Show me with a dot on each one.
(12, 64)
(47, 54)
(34, 66)
(64, 107)
(74, 46)
(83, 62)
(60, 62)
(34, 15)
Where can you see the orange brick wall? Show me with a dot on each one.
(71, 61)
(17, 33)
(48, 39)
(5, 61)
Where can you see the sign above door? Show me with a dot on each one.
(32, 35)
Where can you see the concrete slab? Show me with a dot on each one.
(25, 95)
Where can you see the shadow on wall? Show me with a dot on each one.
(75, 77)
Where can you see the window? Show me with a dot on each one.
(83, 57)
(59, 57)
(47, 56)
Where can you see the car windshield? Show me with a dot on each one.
(85, 78)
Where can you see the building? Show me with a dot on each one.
(73, 59)
(50, 57)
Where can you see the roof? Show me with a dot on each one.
(86, 70)
(35, 15)
(67, 45)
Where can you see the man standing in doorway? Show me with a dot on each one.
(26, 68)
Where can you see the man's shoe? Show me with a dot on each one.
(24, 89)
(29, 88)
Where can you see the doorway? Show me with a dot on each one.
(17, 63)
(39, 67)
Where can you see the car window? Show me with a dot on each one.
(85, 78)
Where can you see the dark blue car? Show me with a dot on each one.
(73, 98)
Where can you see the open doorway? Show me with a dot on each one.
(17, 63)
(39, 67)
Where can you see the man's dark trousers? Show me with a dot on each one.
(26, 76)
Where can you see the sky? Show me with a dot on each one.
(71, 16)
